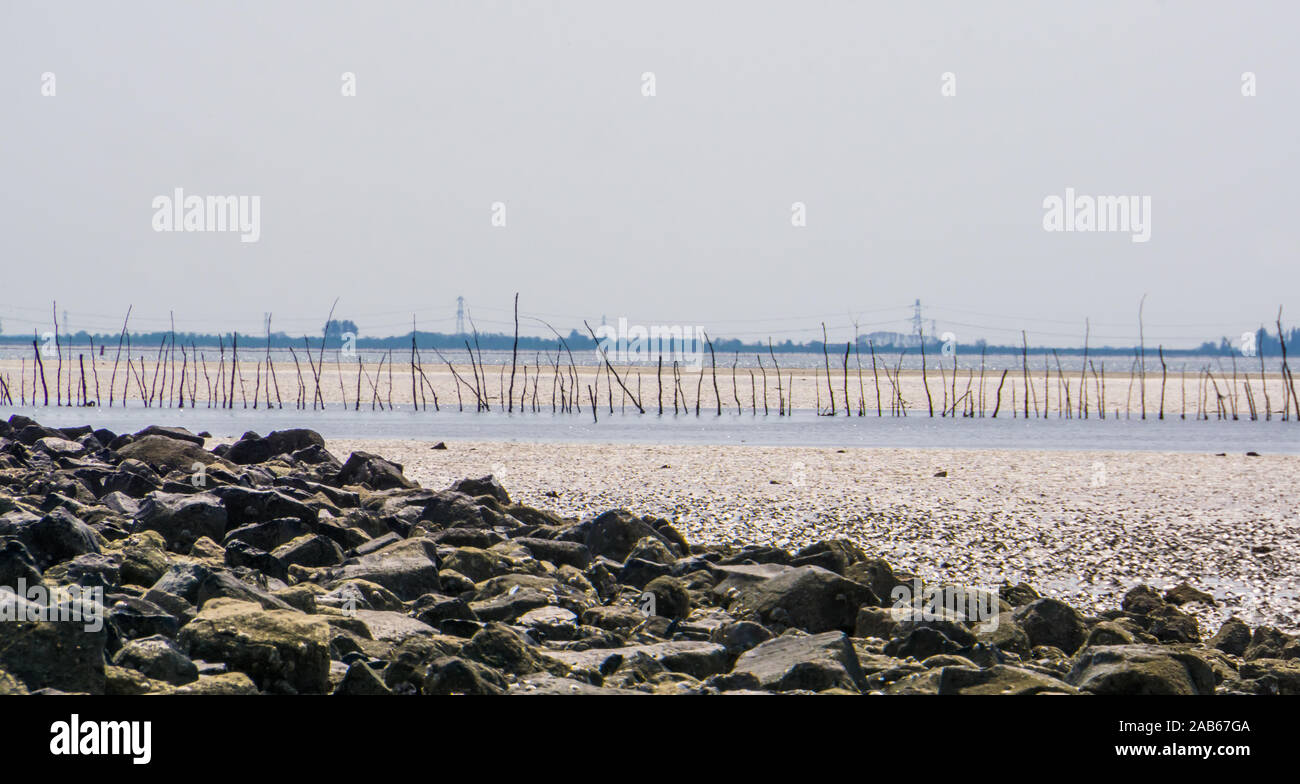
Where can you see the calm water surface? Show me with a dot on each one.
(802, 429)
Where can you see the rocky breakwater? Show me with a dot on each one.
(146, 564)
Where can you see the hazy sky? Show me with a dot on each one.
(674, 208)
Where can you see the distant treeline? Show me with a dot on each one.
(576, 341)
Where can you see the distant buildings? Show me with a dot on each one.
(891, 340)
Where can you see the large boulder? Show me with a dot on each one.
(283, 651)
(143, 558)
(246, 506)
(373, 471)
(44, 652)
(286, 442)
(270, 534)
(309, 550)
(487, 485)
(615, 533)
(1275, 676)
(133, 479)
(558, 552)
(17, 563)
(1233, 637)
(671, 599)
(252, 448)
(60, 447)
(1052, 622)
(249, 449)
(805, 597)
(1141, 669)
(164, 454)
(804, 662)
(181, 518)
(178, 433)
(502, 648)
(408, 568)
(221, 584)
(159, 658)
(998, 679)
(1142, 599)
(58, 536)
(696, 659)
(360, 680)
(454, 675)
(133, 617)
(834, 555)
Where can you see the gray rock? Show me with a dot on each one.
(1141, 669)
(363, 468)
(57, 537)
(60, 447)
(697, 659)
(503, 649)
(270, 534)
(739, 636)
(1052, 622)
(17, 563)
(804, 662)
(408, 568)
(614, 534)
(456, 675)
(652, 549)
(1141, 600)
(1233, 637)
(558, 552)
(509, 605)
(1183, 593)
(388, 626)
(221, 584)
(1276, 676)
(245, 506)
(361, 680)
(159, 658)
(283, 651)
(309, 550)
(178, 433)
(548, 685)
(921, 643)
(284, 442)
(164, 454)
(121, 503)
(487, 485)
(999, 679)
(58, 654)
(135, 618)
(834, 555)
(805, 597)
(182, 519)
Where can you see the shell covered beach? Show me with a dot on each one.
(1083, 527)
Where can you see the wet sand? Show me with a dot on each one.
(539, 386)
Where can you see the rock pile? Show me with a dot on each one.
(269, 565)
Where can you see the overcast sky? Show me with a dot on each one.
(674, 208)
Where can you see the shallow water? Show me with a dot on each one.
(802, 429)
(968, 359)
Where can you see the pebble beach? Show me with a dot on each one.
(1083, 527)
